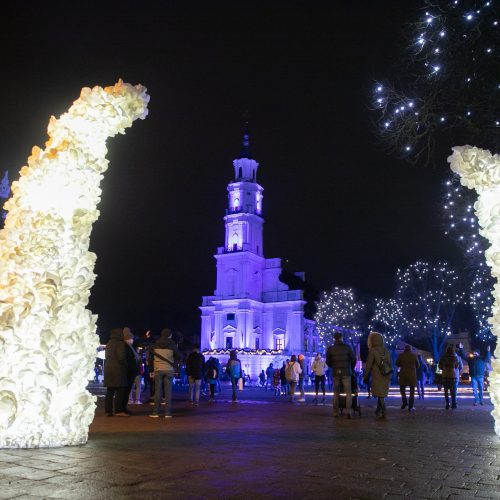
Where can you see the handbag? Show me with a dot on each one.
(240, 384)
(384, 367)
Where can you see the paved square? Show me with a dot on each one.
(263, 447)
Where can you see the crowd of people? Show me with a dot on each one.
(126, 370)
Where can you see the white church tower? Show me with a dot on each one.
(251, 310)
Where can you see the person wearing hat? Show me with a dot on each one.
(340, 358)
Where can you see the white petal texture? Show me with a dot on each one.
(48, 338)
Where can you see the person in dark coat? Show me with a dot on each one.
(451, 365)
(195, 368)
(380, 382)
(408, 365)
(115, 374)
(340, 358)
(132, 361)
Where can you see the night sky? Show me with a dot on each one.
(335, 205)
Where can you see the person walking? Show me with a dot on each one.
(212, 376)
(195, 365)
(132, 361)
(477, 368)
(422, 372)
(408, 364)
(233, 369)
(378, 364)
(340, 358)
(163, 354)
(451, 366)
(115, 374)
(318, 367)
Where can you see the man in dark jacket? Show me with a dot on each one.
(195, 367)
(477, 367)
(340, 358)
(162, 357)
(132, 365)
(408, 364)
(115, 374)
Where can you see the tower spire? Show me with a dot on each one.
(245, 150)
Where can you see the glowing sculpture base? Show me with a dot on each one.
(47, 336)
(480, 170)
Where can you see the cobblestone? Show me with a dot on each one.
(264, 448)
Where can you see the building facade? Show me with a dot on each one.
(251, 310)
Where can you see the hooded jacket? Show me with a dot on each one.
(380, 383)
(115, 366)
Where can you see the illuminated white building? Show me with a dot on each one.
(251, 310)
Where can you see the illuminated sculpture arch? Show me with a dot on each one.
(480, 170)
(47, 336)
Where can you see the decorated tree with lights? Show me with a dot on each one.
(449, 95)
(428, 296)
(388, 320)
(339, 311)
(461, 224)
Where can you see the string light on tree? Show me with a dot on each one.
(462, 225)
(388, 320)
(428, 296)
(451, 79)
(339, 311)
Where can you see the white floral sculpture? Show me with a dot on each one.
(47, 336)
(480, 170)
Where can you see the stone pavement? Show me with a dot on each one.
(267, 448)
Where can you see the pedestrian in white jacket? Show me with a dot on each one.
(319, 368)
(292, 372)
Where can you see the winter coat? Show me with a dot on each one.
(341, 359)
(451, 366)
(293, 371)
(195, 365)
(408, 364)
(380, 383)
(477, 365)
(318, 366)
(132, 362)
(115, 365)
(167, 349)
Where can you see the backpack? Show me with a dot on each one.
(385, 367)
(289, 371)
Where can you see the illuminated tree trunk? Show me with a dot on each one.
(47, 336)
(480, 170)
